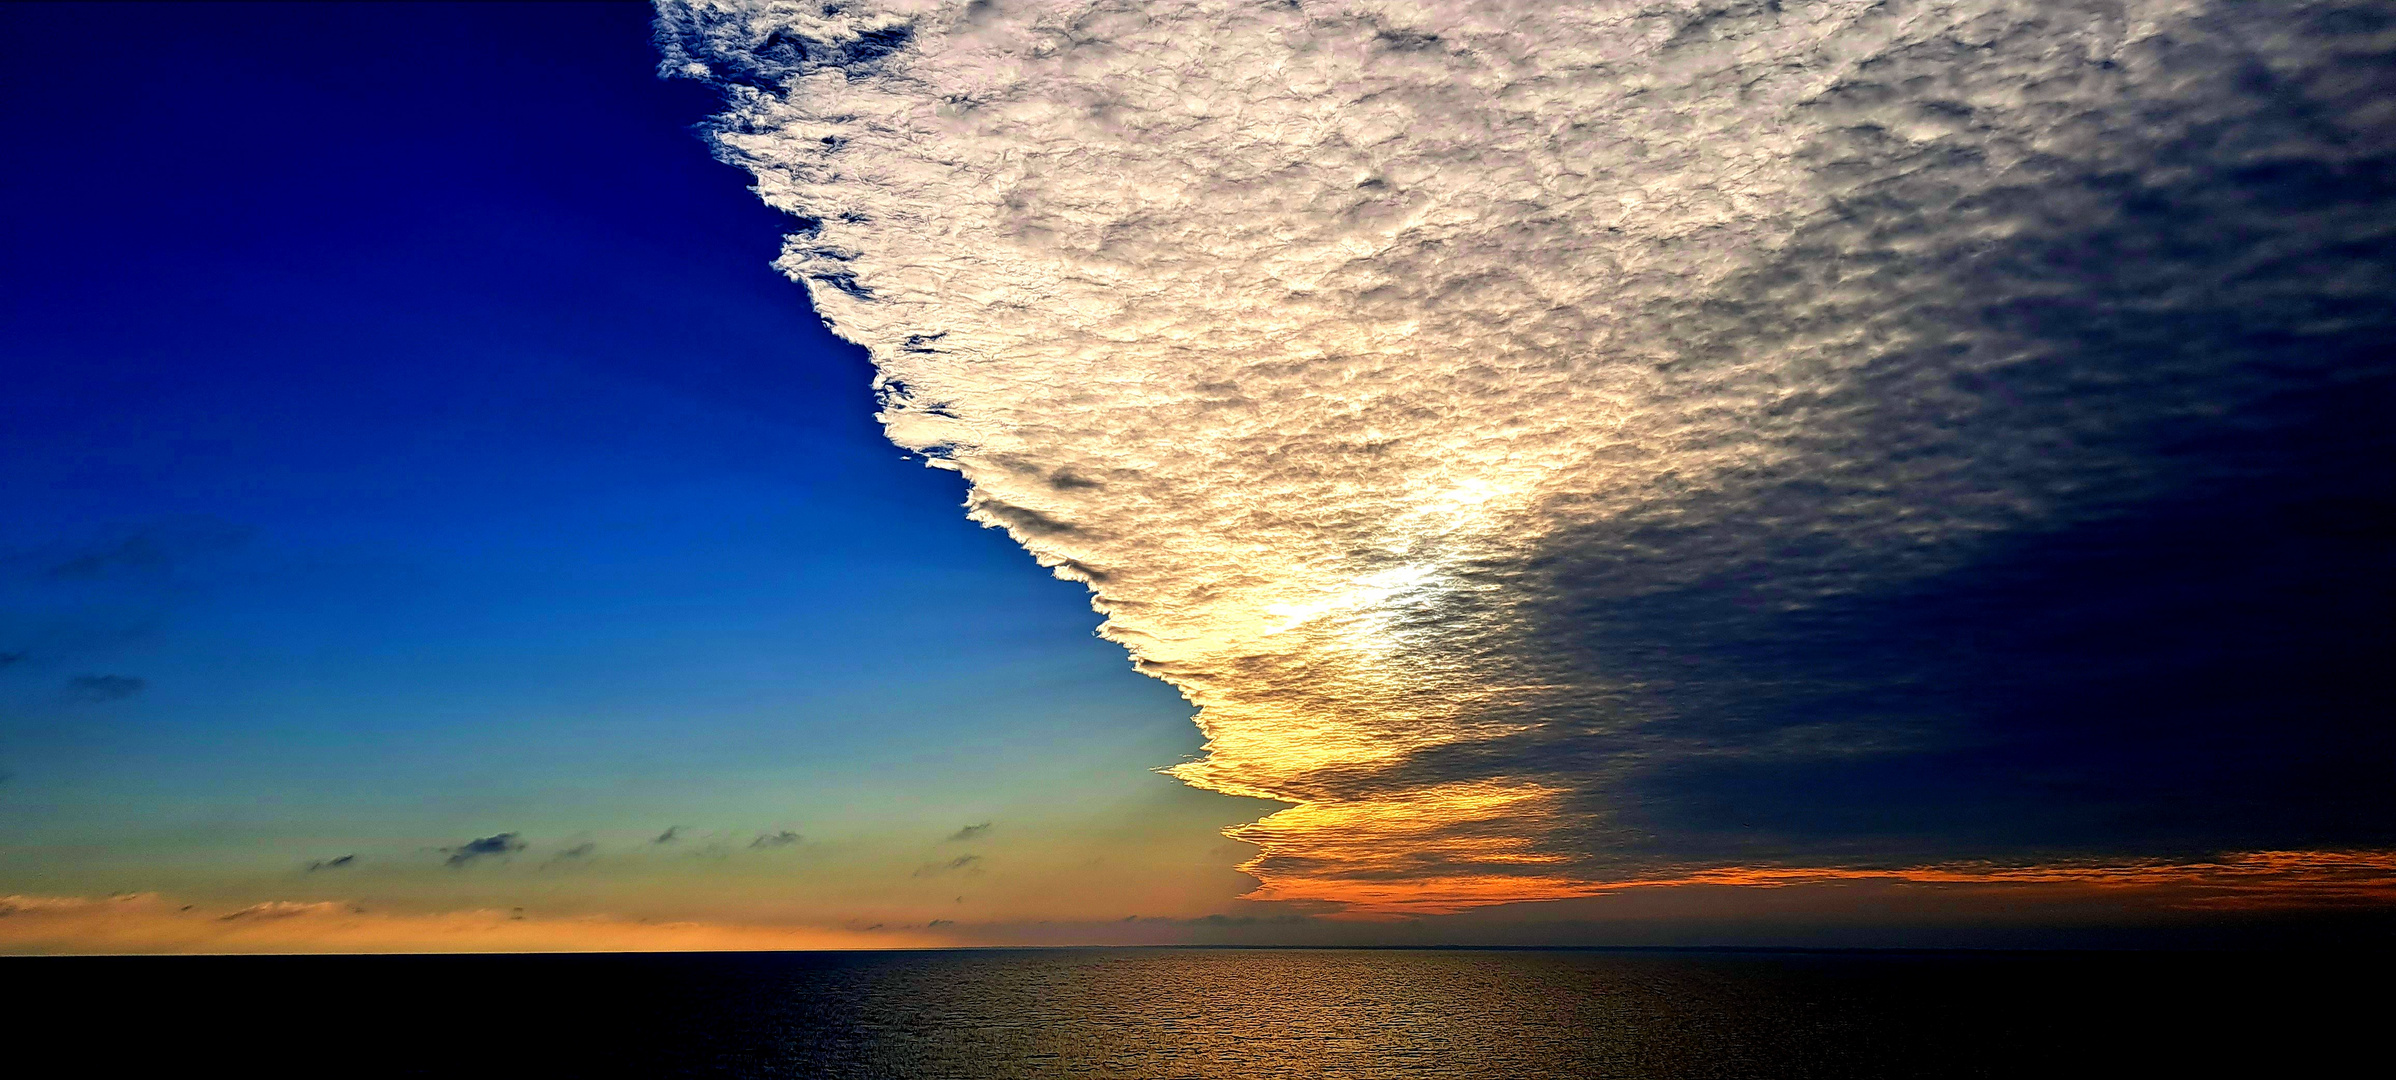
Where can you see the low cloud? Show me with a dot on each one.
(97, 688)
(153, 550)
(965, 864)
(579, 851)
(970, 832)
(149, 923)
(502, 845)
(335, 863)
(785, 838)
(288, 909)
(672, 833)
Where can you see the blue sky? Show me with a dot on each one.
(1595, 505)
(408, 441)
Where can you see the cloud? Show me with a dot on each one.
(94, 594)
(148, 923)
(970, 832)
(672, 833)
(335, 863)
(97, 688)
(969, 864)
(785, 838)
(1564, 445)
(153, 550)
(582, 850)
(504, 844)
(287, 909)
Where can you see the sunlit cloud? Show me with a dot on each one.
(1559, 447)
(148, 923)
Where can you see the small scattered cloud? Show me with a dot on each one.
(579, 851)
(969, 864)
(785, 838)
(288, 909)
(335, 863)
(138, 553)
(105, 687)
(937, 923)
(672, 833)
(150, 551)
(7, 658)
(970, 832)
(506, 843)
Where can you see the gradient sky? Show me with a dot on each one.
(408, 443)
(1601, 473)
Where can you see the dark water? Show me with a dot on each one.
(1196, 1013)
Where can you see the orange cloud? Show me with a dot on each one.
(2244, 881)
(149, 923)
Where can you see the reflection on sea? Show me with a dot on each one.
(1266, 1014)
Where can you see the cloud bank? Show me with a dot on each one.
(148, 923)
(1557, 446)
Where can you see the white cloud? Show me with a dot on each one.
(1344, 348)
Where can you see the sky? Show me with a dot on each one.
(735, 475)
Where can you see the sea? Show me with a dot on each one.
(1199, 1013)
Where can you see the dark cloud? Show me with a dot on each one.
(2084, 556)
(672, 833)
(69, 599)
(105, 687)
(970, 832)
(149, 551)
(785, 838)
(8, 658)
(970, 864)
(503, 844)
(579, 851)
(137, 555)
(335, 863)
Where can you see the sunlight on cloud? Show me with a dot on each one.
(149, 923)
(1372, 361)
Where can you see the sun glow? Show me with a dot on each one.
(1378, 366)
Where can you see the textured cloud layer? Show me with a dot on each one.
(1558, 444)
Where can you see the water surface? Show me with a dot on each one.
(1202, 1013)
